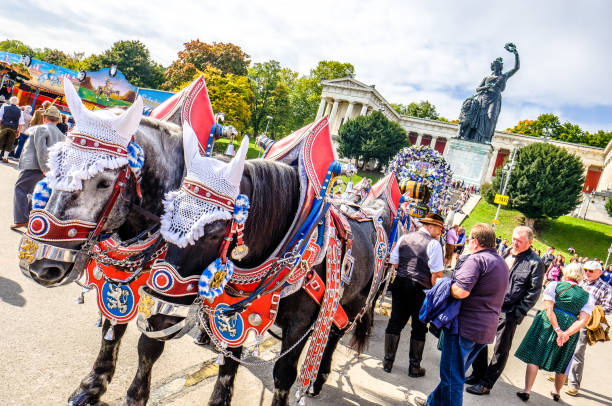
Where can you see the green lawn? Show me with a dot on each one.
(588, 238)
(254, 151)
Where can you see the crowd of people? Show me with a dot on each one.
(494, 284)
(34, 134)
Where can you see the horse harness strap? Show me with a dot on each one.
(316, 289)
(329, 306)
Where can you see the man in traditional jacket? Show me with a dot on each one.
(419, 261)
(33, 163)
(11, 124)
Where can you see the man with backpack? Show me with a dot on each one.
(11, 123)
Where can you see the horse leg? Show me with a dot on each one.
(149, 351)
(94, 385)
(224, 387)
(285, 369)
(325, 366)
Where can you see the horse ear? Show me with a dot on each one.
(73, 100)
(233, 172)
(128, 122)
(191, 146)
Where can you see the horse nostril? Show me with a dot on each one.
(50, 273)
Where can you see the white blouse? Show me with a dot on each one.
(550, 294)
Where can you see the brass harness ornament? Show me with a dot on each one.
(27, 250)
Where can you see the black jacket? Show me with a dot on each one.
(526, 276)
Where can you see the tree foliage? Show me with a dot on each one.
(371, 137)
(54, 56)
(133, 60)
(422, 109)
(271, 98)
(609, 206)
(16, 47)
(546, 181)
(230, 94)
(550, 125)
(197, 55)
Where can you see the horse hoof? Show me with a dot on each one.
(314, 392)
(133, 402)
(82, 399)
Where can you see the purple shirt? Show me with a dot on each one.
(451, 236)
(485, 275)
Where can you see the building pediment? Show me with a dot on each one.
(347, 82)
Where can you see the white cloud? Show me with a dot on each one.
(411, 50)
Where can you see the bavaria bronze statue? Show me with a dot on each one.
(479, 113)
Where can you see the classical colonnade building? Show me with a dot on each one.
(346, 98)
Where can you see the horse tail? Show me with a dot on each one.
(361, 332)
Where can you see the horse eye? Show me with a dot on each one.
(103, 184)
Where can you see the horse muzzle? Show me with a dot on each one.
(46, 264)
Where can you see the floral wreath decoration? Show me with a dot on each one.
(424, 164)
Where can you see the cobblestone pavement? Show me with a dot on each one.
(48, 343)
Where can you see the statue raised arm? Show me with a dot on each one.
(479, 112)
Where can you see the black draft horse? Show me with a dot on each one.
(273, 190)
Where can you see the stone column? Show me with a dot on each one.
(433, 142)
(349, 111)
(446, 146)
(364, 110)
(491, 168)
(419, 139)
(321, 109)
(332, 115)
(328, 108)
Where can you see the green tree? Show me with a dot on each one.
(549, 124)
(609, 206)
(546, 181)
(58, 57)
(230, 94)
(16, 47)
(133, 60)
(271, 98)
(422, 109)
(350, 137)
(305, 91)
(371, 137)
(197, 55)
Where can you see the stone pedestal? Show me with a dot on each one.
(468, 160)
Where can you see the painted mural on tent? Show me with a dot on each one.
(153, 98)
(101, 88)
(44, 75)
(96, 87)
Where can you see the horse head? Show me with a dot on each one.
(204, 209)
(91, 187)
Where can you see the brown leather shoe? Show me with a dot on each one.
(17, 225)
(478, 390)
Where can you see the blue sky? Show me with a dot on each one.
(411, 50)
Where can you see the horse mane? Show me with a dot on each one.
(162, 172)
(274, 190)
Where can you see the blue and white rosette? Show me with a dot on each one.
(136, 157)
(41, 194)
(241, 209)
(208, 275)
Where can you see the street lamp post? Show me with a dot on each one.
(269, 118)
(608, 257)
(506, 179)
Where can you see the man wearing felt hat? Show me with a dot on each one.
(419, 262)
(33, 163)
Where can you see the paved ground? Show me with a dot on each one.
(48, 343)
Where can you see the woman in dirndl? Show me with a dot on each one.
(551, 339)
